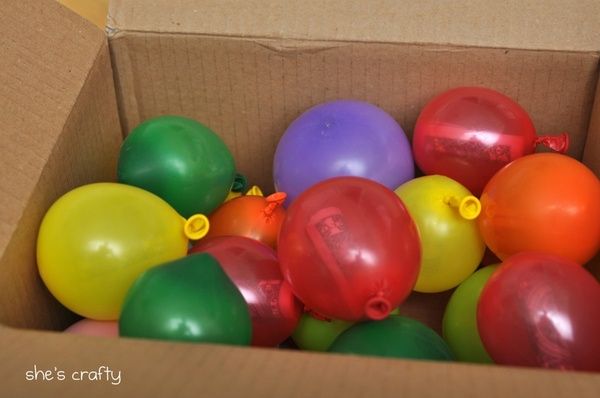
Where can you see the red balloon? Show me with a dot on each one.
(254, 269)
(541, 310)
(254, 217)
(350, 249)
(469, 133)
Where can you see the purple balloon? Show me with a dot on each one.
(342, 138)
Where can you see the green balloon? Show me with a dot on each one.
(460, 318)
(313, 334)
(394, 337)
(190, 299)
(180, 160)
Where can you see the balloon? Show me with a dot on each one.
(541, 310)
(251, 216)
(180, 160)
(314, 334)
(349, 249)
(342, 138)
(253, 267)
(544, 202)
(90, 327)
(97, 239)
(445, 213)
(469, 133)
(394, 337)
(190, 299)
(460, 318)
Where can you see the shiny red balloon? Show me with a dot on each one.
(469, 133)
(254, 269)
(254, 217)
(350, 249)
(541, 310)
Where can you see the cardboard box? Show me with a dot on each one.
(247, 69)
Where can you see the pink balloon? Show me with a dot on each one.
(90, 327)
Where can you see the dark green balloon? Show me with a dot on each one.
(393, 337)
(180, 160)
(190, 299)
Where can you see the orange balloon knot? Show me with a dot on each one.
(273, 202)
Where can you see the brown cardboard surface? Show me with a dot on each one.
(591, 155)
(152, 368)
(59, 130)
(249, 90)
(526, 24)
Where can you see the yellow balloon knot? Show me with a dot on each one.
(468, 208)
(196, 227)
(255, 191)
(232, 195)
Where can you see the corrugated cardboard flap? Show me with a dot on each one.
(153, 368)
(543, 25)
(59, 130)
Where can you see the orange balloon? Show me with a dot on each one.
(545, 202)
(254, 217)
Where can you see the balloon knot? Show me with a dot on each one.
(273, 202)
(558, 143)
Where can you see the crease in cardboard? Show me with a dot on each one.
(123, 75)
(293, 47)
(316, 45)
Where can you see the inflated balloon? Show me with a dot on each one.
(180, 160)
(350, 249)
(544, 202)
(314, 334)
(90, 327)
(252, 216)
(253, 267)
(460, 318)
(541, 310)
(469, 133)
(394, 337)
(97, 239)
(342, 138)
(190, 299)
(445, 214)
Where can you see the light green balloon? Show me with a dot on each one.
(313, 334)
(460, 318)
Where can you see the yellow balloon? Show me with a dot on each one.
(97, 239)
(445, 213)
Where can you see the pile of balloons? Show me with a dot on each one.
(180, 248)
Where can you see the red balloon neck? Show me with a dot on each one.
(377, 308)
(558, 143)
